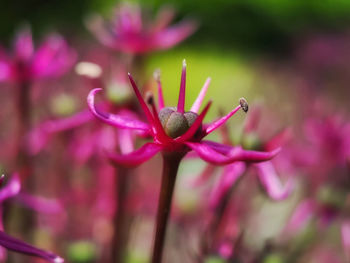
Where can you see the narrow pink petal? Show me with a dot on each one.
(228, 178)
(137, 157)
(119, 121)
(40, 204)
(198, 102)
(173, 35)
(163, 19)
(219, 147)
(195, 126)
(345, 233)
(209, 154)
(24, 44)
(126, 141)
(160, 89)
(301, 215)
(141, 101)
(182, 93)
(19, 246)
(11, 189)
(269, 179)
(216, 124)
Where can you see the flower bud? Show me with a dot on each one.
(175, 123)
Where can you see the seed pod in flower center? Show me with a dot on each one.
(175, 123)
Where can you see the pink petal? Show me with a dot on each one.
(157, 127)
(40, 204)
(11, 189)
(198, 102)
(173, 35)
(210, 155)
(182, 93)
(216, 124)
(160, 89)
(301, 215)
(269, 179)
(137, 157)
(113, 119)
(163, 19)
(345, 232)
(24, 45)
(126, 141)
(230, 175)
(53, 58)
(5, 66)
(19, 246)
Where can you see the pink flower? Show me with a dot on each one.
(52, 59)
(174, 130)
(12, 190)
(129, 33)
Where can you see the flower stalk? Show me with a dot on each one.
(171, 162)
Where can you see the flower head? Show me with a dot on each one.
(175, 130)
(129, 33)
(52, 59)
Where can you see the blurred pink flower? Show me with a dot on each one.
(174, 130)
(52, 59)
(12, 190)
(127, 32)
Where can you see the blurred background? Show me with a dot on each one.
(289, 58)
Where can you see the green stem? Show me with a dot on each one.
(171, 164)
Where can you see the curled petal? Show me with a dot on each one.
(210, 155)
(269, 179)
(11, 189)
(301, 215)
(230, 175)
(137, 157)
(53, 58)
(40, 204)
(345, 233)
(113, 119)
(19, 246)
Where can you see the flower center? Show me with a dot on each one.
(175, 123)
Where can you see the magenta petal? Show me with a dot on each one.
(170, 36)
(53, 58)
(126, 141)
(301, 215)
(113, 119)
(40, 204)
(269, 179)
(11, 189)
(216, 124)
(230, 175)
(24, 45)
(19, 246)
(199, 100)
(137, 157)
(210, 155)
(5, 67)
(182, 93)
(345, 233)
